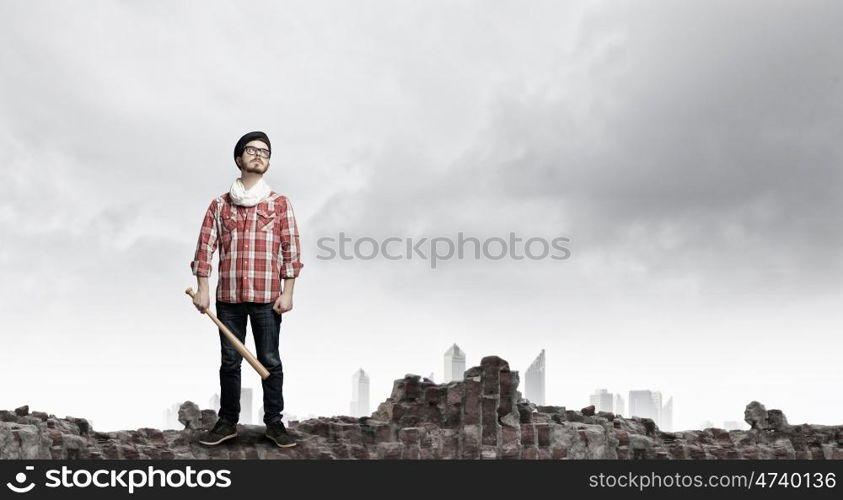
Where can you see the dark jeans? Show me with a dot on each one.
(266, 327)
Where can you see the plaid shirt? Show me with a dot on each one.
(259, 246)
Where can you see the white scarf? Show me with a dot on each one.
(248, 197)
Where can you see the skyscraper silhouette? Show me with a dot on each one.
(454, 364)
(171, 417)
(645, 404)
(602, 400)
(359, 394)
(534, 380)
(648, 404)
(667, 416)
(620, 405)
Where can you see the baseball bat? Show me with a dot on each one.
(235, 342)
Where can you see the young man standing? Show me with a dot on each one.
(256, 233)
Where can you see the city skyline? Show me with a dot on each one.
(646, 403)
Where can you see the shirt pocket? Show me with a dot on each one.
(228, 226)
(266, 220)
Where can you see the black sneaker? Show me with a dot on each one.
(222, 431)
(279, 435)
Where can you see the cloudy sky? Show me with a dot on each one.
(689, 151)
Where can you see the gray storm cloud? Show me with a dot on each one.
(690, 139)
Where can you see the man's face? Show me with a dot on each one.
(252, 160)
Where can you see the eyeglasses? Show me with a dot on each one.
(263, 153)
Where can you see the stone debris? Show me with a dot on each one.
(481, 417)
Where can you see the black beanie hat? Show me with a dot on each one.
(246, 139)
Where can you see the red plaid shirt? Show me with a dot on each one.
(259, 246)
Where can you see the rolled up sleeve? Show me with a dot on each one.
(207, 244)
(289, 259)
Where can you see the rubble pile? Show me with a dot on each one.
(480, 417)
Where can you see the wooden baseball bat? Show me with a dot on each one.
(235, 342)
